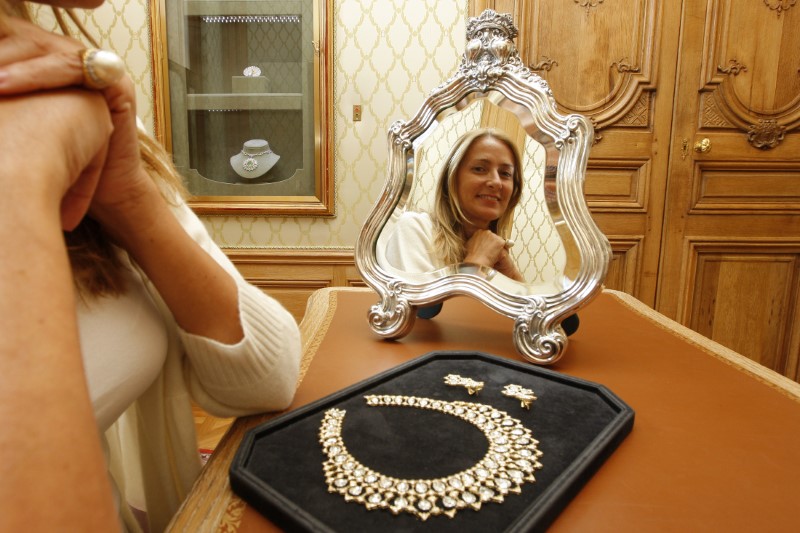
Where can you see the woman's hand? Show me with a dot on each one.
(488, 249)
(484, 248)
(48, 169)
(33, 60)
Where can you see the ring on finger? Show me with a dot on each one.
(101, 68)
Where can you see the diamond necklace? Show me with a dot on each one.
(510, 462)
(250, 163)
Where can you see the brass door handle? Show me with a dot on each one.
(703, 145)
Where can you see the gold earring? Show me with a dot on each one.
(472, 386)
(525, 396)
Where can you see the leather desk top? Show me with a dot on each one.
(715, 444)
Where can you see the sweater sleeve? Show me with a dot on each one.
(409, 247)
(260, 372)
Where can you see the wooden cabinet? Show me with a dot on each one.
(695, 176)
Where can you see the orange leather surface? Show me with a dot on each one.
(712, 448)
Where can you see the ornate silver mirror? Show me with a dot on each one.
(554, 258)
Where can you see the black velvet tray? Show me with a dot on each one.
(278, 467)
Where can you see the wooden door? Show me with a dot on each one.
(708, 236)
(731, 249)
(614, 62)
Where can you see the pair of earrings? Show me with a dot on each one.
(525, 396)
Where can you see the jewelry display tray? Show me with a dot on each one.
(278, 467)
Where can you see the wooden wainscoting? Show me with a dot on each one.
(290, 276)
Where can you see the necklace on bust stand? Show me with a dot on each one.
(254, 160)
(251, 163)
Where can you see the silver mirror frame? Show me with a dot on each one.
(491, 67)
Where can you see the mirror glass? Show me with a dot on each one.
(548, 258)
(540, 248)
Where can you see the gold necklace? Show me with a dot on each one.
(510, 461)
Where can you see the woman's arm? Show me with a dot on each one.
(53, 471)
(201, 295)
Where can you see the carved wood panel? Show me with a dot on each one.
(751, 69)
(623, 272)
(600, 58)
(745, 187)
(763, 277)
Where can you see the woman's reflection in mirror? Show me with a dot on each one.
(476, 193)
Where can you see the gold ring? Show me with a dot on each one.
(101, 68)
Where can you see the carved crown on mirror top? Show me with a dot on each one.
(491, 73)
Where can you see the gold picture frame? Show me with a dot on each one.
(207, 108)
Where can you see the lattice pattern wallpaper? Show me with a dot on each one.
(388, 55)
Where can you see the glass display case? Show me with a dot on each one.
(243, 102)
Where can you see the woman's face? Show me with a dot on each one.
(485, 181)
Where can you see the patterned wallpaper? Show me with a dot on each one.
(388, 55)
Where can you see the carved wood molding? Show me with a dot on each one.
(588, 4)
(622, 66)
(745, 188)
(766, 134)
(626, 263)
(639, 114)
(711, 115)
(546, 64)
(630, 198)
(292, 256)
(734, 67)
(779, 6)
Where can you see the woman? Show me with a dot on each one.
(476, 193)
(120, 329)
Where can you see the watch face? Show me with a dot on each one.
(252, 71)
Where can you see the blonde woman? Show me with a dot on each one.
(476, 193)
(116, 307)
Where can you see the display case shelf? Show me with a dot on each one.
(245, 101)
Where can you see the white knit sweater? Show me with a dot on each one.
(152, 447)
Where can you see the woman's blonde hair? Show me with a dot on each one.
(96, 264)
(450, 222)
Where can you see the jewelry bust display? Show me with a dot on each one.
(255, 159)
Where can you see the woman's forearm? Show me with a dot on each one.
(509, 269)
(202, 296)
(53, 468)
(53, 471)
